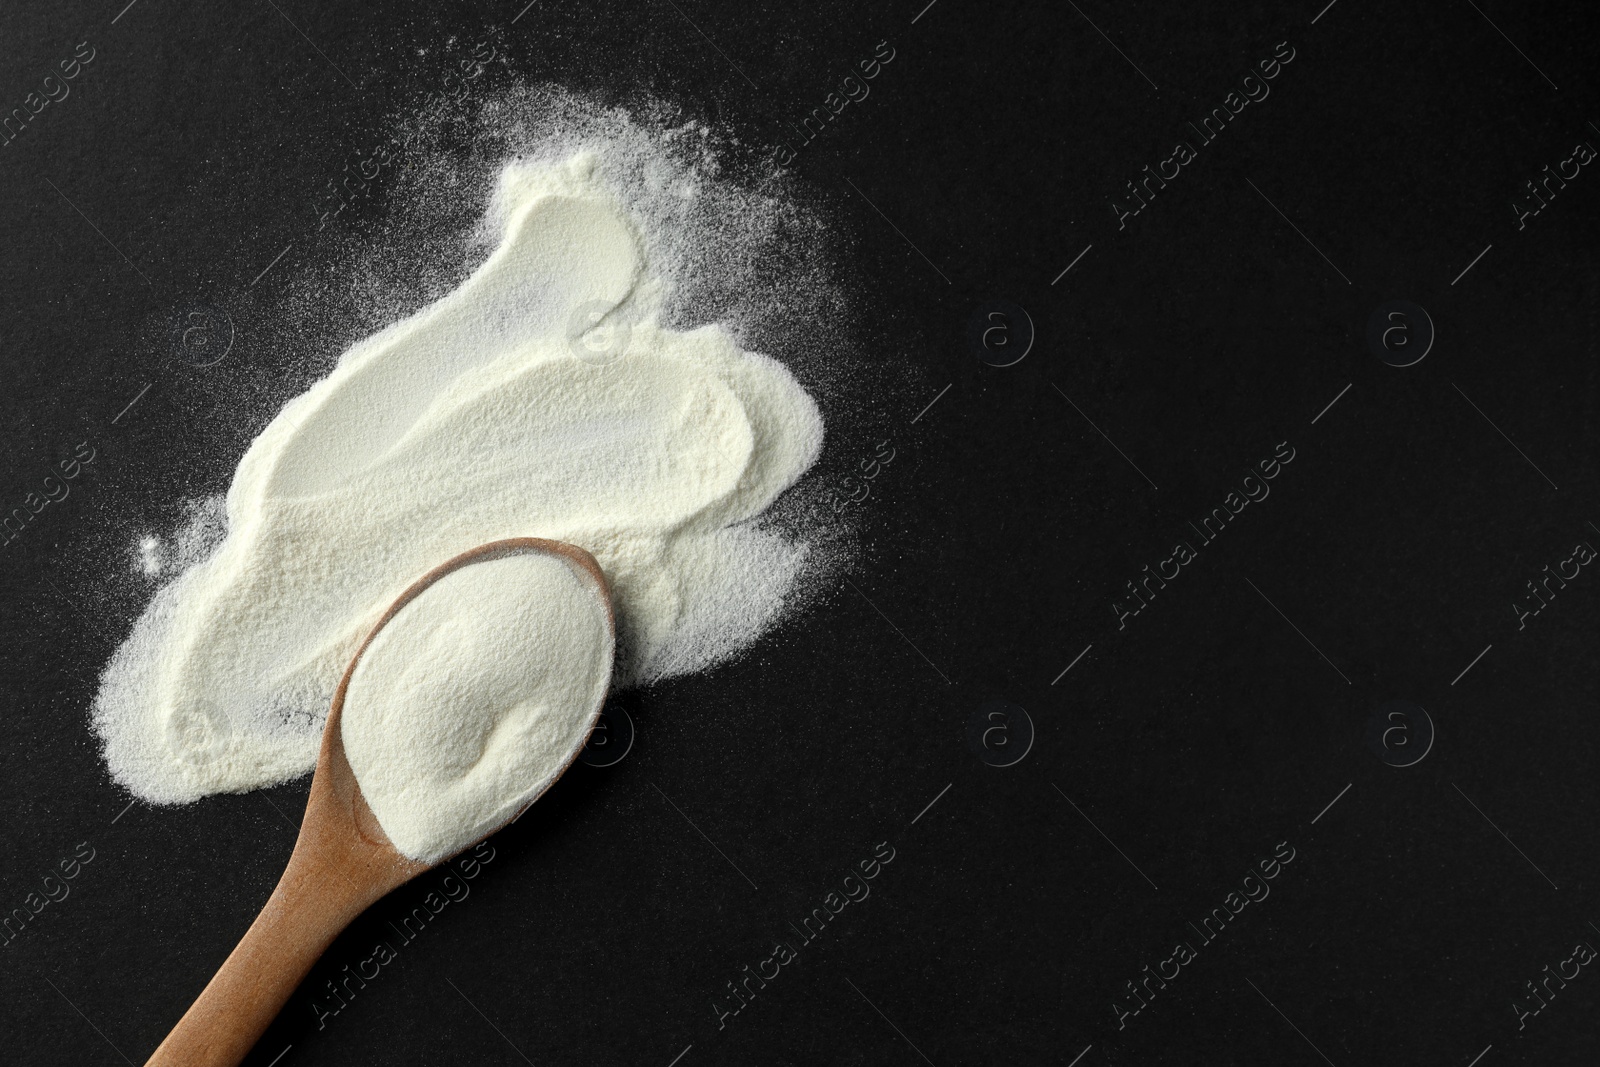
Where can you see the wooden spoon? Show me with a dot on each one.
(342, 863)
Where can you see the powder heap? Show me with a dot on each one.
(474, 697)
(542, 398)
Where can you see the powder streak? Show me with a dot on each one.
(473, 420)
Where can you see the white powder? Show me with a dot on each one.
(474, 697)
(543, 397)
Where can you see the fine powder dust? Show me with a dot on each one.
(470, 701)
(542, 398)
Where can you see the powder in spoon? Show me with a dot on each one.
(474, 697)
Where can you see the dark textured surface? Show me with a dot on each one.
(1179, 750)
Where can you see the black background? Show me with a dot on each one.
(1172, 756)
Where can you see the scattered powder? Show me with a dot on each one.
(545, 396)
(204, 525)
(474, 697)
(150, 555)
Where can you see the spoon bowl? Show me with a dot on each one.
(342, 863)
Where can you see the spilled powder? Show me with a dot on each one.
(470, 701)
(543, 397)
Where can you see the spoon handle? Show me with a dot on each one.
(310, 906)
